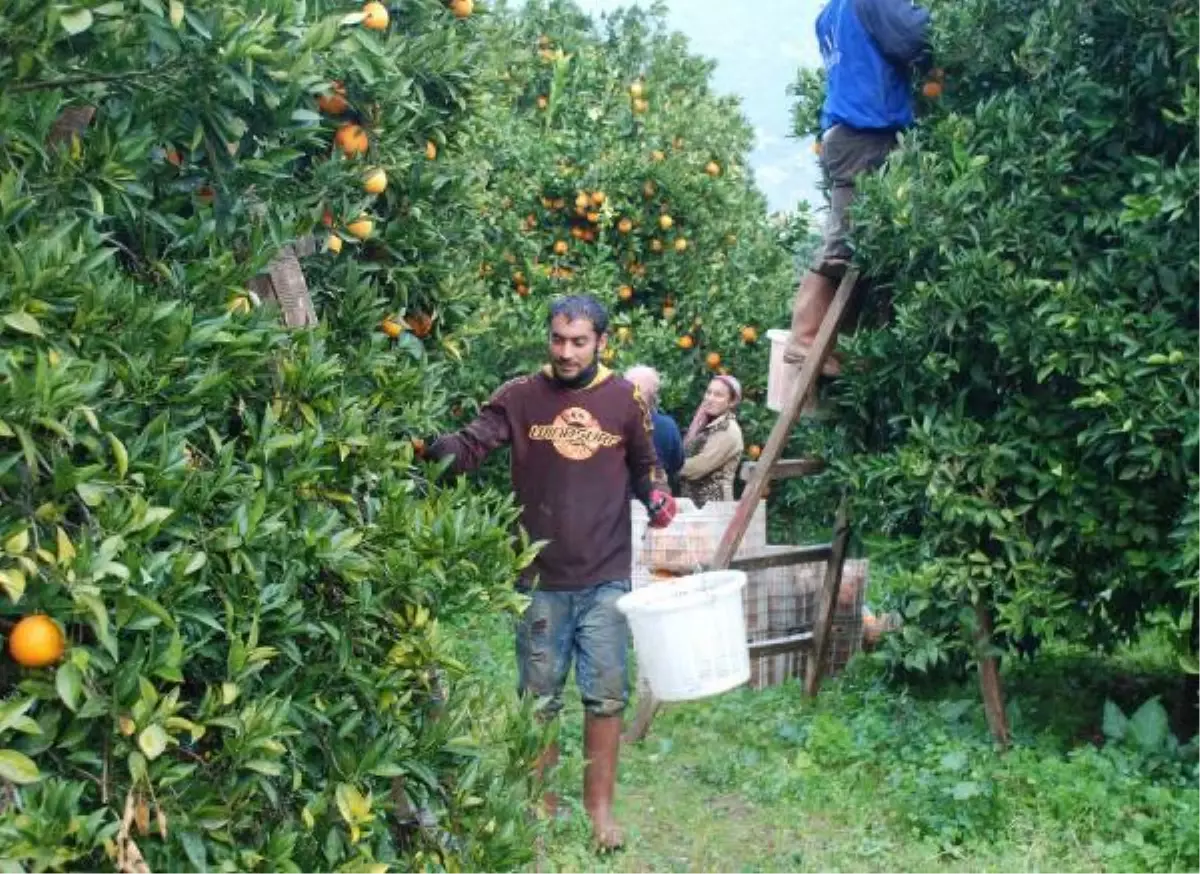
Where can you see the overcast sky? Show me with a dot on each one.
(758, 49)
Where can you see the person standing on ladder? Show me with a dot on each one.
(581, 443)
(869, 48)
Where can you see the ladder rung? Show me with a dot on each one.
(752, 561)
(787, 468)
(791, 643)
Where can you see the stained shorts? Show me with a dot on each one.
(845, 154)
(583, 626)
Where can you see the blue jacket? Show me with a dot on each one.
(668, 444)
(868, 47)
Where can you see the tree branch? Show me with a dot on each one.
(90, 79)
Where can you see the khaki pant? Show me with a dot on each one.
(845, 153)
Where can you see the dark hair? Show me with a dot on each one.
(580, 306)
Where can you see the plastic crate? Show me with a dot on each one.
(690, 541)
(783, 601)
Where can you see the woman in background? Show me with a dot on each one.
(713, 445)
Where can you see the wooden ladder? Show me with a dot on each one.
(771, 467)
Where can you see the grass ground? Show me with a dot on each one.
(873, 776)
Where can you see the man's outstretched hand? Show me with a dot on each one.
(661, 510)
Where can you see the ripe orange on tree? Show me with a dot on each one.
(593, 217)
(375, 182)
(335, 102)
(625, 292)
(686, 341)
(749, 334)
(681, 244)
(36, 641)
(636, 90)
(582, 201)
(560, 247)
(375, 16)
(640, 106)
(713, 360)
(932, 89)
(712, 168)
(624, 226)
(431, 150)
(754, 452)
(352, 140)
(658, 155)
(598, 198)
(391, 327)
(333, 243)
(656, 246)
(462, 8)
(665, 222)
(361, 227)
(542, 101)
(522, 289)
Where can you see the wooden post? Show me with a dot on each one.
(989, 677)
(828, 605)
(805, 383)
(284, 284)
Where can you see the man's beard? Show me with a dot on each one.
(583, 377)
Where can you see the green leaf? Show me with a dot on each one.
(12, 581)
(18, 543)
(176, 13)
(66, 550)
(1149, 727)
(24, 322)
(1115, 724)
(69, 683)
(120, 454)
(12, 711)
(152, 516)
(966, 789)
(193, 846)
(352, 805)
(18, 768)
(91, 494)
(153, 741)
(76, 21)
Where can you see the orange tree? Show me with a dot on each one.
(612, 168)
(223, 518)
(1024, 429)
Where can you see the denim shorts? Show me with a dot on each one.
(584, 625)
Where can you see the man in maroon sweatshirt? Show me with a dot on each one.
(582, 442)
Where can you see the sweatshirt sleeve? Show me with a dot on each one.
(717, 451)
(471, 445)
(645, 474)
(899, 27)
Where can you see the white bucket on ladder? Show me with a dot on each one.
(690, 635)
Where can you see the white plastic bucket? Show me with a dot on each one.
(780, 375)
(690, 635)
